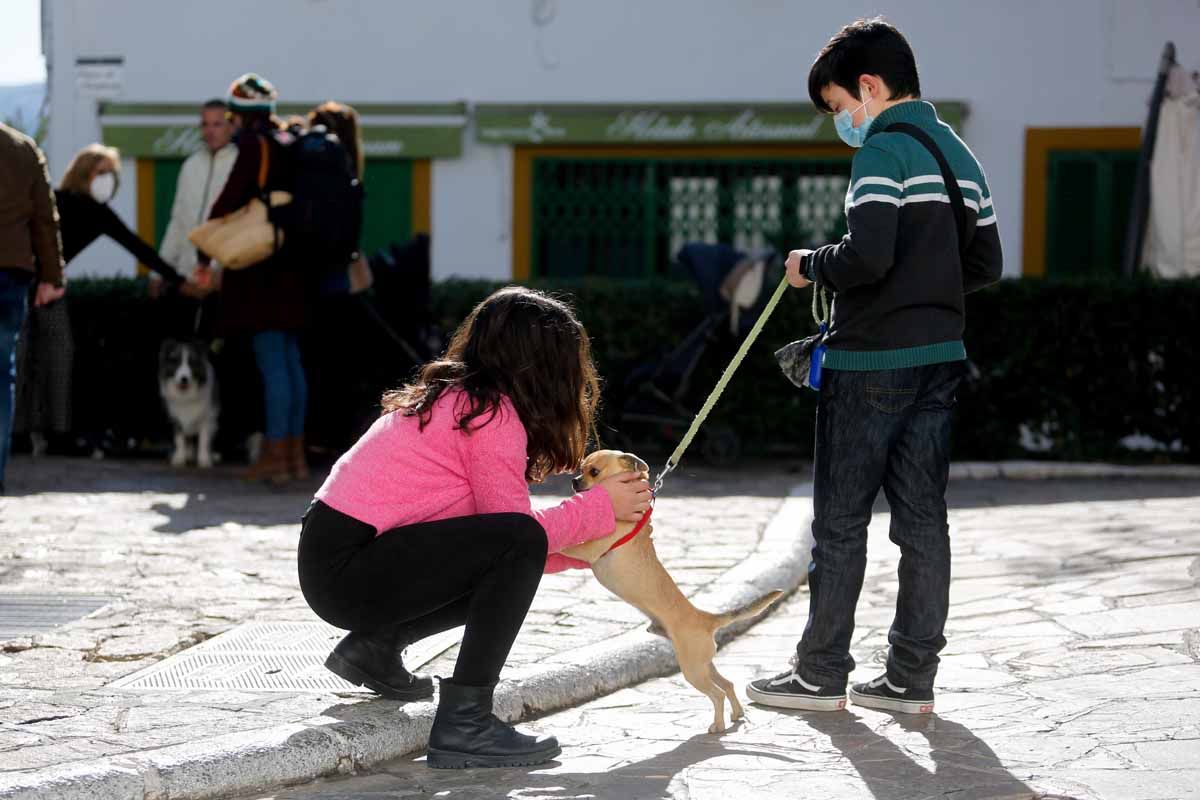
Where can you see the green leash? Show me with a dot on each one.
(738, 357)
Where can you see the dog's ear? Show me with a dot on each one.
(631, 463)
(167, 346)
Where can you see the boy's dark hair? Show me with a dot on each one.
(864, 47)
(215, 103)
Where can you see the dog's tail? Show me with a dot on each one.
(747, 611)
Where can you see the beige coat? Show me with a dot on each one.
(201, 180)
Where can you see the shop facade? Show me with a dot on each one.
(556, 139)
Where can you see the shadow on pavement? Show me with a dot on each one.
(963, 764)
(653, 777)
(208, 511)
(210, 498)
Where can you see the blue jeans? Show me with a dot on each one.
(285, 390)
(886, 429)
(14, 289)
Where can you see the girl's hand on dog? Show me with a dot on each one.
(630, 495)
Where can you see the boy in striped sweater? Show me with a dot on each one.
(894, 359)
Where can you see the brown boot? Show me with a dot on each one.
(297, 458)
(272, 464)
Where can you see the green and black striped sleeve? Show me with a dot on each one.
(867, 251)
(983, 262)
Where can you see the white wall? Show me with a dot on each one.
(1017, 64)
(472, 212)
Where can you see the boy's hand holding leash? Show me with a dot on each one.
(794, 276)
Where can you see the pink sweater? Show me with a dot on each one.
(397, 475)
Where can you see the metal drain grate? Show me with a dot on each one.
(268, 657)
(28, 614)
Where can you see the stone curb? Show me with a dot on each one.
(1042, 470)
(258, 760)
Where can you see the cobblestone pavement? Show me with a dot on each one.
(1071, 672)
(186, 556)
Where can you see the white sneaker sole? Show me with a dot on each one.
(888, 704)
(796, 702)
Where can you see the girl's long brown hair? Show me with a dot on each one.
(526, 346)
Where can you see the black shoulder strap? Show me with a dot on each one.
(952, 189)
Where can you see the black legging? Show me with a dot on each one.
(417, 580)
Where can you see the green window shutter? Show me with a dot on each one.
(1087, 208)
(388, 207)
(166, 176)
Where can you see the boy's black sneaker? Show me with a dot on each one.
(883, 694)
(789, 690)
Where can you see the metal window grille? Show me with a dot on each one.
(628, 217)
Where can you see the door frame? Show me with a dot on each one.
(1039, 142)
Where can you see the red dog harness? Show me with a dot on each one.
(636, 530)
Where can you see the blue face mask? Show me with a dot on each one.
(843, 121)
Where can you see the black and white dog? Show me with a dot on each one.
(189, 390)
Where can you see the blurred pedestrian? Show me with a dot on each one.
(265, 301)
(201, 179)
(342, 121)
(30, 250)
(47, 350)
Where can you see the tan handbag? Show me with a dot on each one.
(246, 236)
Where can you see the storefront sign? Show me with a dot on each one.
(643, 124)
(172, 131)
(100, 77)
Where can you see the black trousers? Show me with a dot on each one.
(886, 429)
(417, 580)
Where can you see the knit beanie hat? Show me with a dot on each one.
(252, 93)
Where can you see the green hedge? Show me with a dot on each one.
(1083, 363)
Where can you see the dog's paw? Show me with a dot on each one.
(179, 459)
(205, 462)
(717, 727)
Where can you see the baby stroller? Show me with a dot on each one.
(735, 287)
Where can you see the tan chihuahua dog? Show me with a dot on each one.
(633, 573)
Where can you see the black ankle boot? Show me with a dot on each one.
(466, 733)
(373, 661)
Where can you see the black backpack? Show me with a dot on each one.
(323, 222)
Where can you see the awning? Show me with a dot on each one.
(667, 123)
(169, 130)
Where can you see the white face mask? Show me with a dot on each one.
(104, 186)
